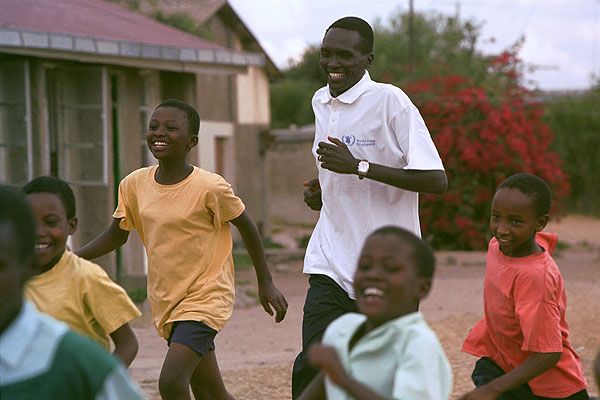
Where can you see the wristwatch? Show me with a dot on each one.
(363, 169)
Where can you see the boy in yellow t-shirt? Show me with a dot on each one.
(69, 288)
(183, 214)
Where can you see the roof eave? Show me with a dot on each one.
(84, 48)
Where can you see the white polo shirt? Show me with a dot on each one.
(400, 359)
(379, 123)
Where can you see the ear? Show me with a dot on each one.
(193, 142)
(370, 59)
(541, 222)
(423, 288)
(73, 225)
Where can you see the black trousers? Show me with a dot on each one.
(325, 301)
(486, 371)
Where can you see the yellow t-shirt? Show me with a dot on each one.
(81, 294)
(185, 230)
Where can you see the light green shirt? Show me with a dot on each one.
(40, 358)
(401, 359)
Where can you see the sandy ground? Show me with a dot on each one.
(255, 354)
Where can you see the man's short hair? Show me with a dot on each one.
(421, 252)
(190, 112)
(15, 212)
(533, 187)
(54, 185)
(357, 25)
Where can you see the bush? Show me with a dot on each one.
(482, 139)
(575, 121)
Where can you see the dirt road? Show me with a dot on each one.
(255, 354)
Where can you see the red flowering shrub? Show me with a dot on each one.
(482, 139)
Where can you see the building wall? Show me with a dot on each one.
(289, 163)
(91, 138)
(253, 97)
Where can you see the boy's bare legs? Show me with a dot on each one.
(184, 367)
(207, 383)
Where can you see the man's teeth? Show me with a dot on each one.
(40, 246)
(160, 143)
(336, 75)
(373, 292)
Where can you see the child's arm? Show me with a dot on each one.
(326, 358)
(112, 238)
(533, 366)
(126, 344)
(270, 297)
(315, 389)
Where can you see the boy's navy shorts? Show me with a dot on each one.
(193, 334)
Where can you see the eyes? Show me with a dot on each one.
(343, 55)
(365, 265)
(153, 126)
(52, 221)
(514, 221)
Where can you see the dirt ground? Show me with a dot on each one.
(256, 354)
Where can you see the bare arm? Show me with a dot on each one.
(336, 157)
(315, 389)
(270, 297)
(126, 344)
(109, 240)
(535, 365)
(327, 359)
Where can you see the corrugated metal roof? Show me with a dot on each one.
(100, 27)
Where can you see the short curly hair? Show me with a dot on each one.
(192, 115)
(357, 25)
(421, 255)
(533, 187)
(54, 185)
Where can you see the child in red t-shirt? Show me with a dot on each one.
(523, 337)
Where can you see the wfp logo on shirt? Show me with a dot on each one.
(350, 140)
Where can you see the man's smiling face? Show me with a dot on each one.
(343, 59)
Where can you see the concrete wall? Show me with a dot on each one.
(289, 163)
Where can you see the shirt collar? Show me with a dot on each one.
(17, 337)
(350, 95)
(396, 324)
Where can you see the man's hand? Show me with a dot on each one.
(312, 194)
(272, 299)
(327, 359)
(336, 157)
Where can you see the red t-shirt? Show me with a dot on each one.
(524, 305)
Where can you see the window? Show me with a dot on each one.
(78, 124)
(15, 128)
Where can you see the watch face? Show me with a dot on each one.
(363, 166)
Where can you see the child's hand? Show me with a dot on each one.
(327, 359)
(272, 299)
(481, 393)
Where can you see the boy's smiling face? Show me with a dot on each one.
(52, 227)
(168, 134)
(386, 282)
(514, 222)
